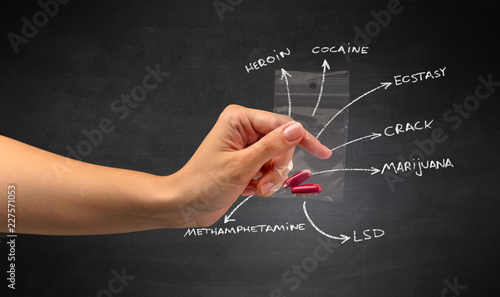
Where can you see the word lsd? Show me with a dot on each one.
(368, 234)
(419, 76)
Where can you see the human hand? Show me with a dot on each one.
(244, 154)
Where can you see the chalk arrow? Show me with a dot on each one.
(284, 75)
(384, 85)
(227, 218)
(342, 237)
(325, 67)
(371, 136)
(373, 170)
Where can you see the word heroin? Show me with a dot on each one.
(269, 60)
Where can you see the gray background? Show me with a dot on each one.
(438, 227)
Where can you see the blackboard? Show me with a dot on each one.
(431, 235)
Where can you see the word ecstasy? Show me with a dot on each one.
(419, 76)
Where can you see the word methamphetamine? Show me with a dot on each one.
(242, 229)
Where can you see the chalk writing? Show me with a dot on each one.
(269, 60)
(245, 229)
(419, 76)
(402, 128)
(342, 49)
(417, 166)
(368, 234)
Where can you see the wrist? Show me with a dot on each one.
(169, 206)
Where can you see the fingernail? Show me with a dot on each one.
(248, 192)
(292, 132)
(267, 187)
(330, 153)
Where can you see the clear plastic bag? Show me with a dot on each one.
(297, 95)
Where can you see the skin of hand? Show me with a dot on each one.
(243, 144)
(244, 154)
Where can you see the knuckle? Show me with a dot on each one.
(231, 113)
(231, 108)
(269, 144)
(235, 171)
(283, 119)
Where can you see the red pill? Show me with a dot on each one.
(306, 190)
(297, 178)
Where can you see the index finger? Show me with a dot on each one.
(313, 146)
(264, 122)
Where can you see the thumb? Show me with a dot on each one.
(275, 143)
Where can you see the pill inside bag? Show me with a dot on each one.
(297, 178)
(303, 90)
(306, 190)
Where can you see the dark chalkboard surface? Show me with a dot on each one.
(394, 233)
